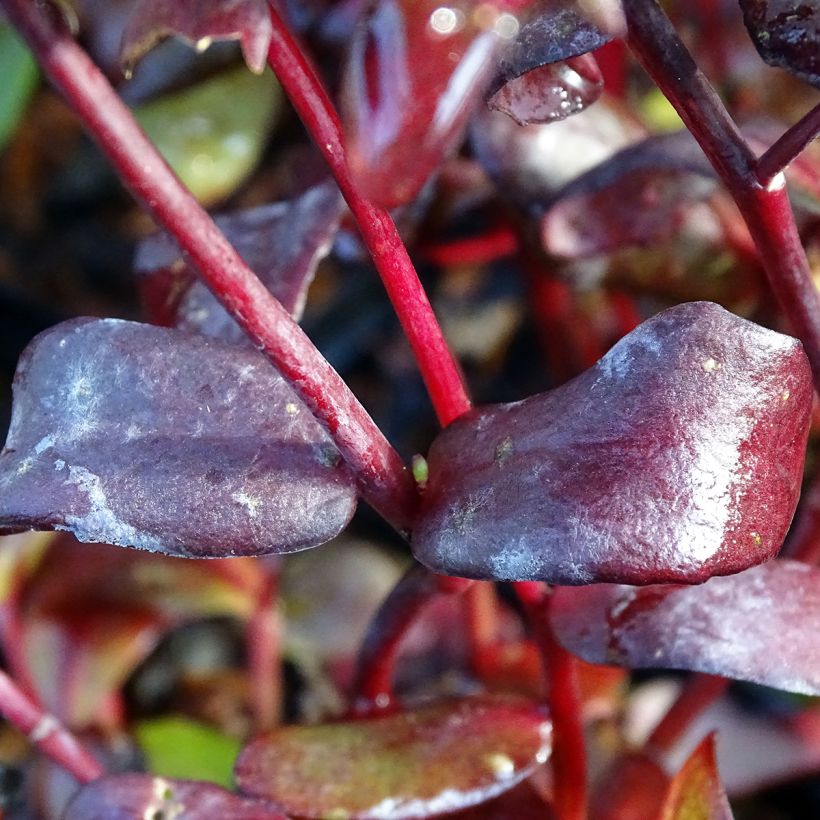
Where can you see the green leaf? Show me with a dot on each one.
(213, 134)
(19, 79)
(180, 748)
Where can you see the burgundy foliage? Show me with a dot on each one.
(146, 437)
(757, 626)
(126, 796)
(632, 788)
(282, 242)
(786, 33)
(678, 456)
(199, 22)
(416, 72)
(419, 763)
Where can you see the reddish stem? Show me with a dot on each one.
(439, 370)
(47, 733)
(569, 759)
(263, 637)
(765, 209)
(612, 60)
(698, 694)
(494, 244)
(383, 478)
(789, 146)
(416, 589)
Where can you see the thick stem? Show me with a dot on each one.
(47, 733)
(765, 209)
(698, 694)
(569, 759)
(789, 146)
(416, 589)
(383, 478)
(263, 636)
(438, 368)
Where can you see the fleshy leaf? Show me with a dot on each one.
(755, 626)
(213, 133)
(416, 72)
(200, 23)
(696, 790)
(677, 456)
(146, 437)
(126, 796)
(282, 242)
(181, 748)
(653, 182)
(786, 34)
(413, 764)
(631, 788)
(551, 92)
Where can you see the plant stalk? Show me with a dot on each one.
(383, 478)
(789, 146)
(766, 209)
(439, 370)
(47, 733)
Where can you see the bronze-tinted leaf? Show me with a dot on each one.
(127, 796)
(677, 456)
(413, 764)
(757, 625)
(416, 71)
(282, 242)
(146, 437)
(696, 790)
(786, 33)
(200, 22)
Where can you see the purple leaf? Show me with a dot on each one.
(146, 437)
(416, 72)
(414, 764)
(282, 242)
(653, 182)
(127, 796)
(199, 22)
(676, 457)
(758, 626)
(786, 33)
(550, 92)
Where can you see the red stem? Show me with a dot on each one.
(263, 636)
(789, 146)
(698, 694)
(439, 370)
(766, 209)
(569, 758)
(416, 589)
(47, 733)
(383, 478)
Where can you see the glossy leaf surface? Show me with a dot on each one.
(696, 790)
(416, 72)
(282, 243)
(676, 457)
(213, 134)
(756, 626)
(786, 33)
(551, 92)
(200, 22)
(146, 437)
(413, 764)
(126, 796)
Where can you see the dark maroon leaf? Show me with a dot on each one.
(413, 764)
(282, 242)
(631, 788)
(199, 22)
(696, 790)
(416, 71)
(551, 92)
(786, 33)
(758, 626)
(676, 457)
(653, 182)
(146, 437)
(129, 796)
